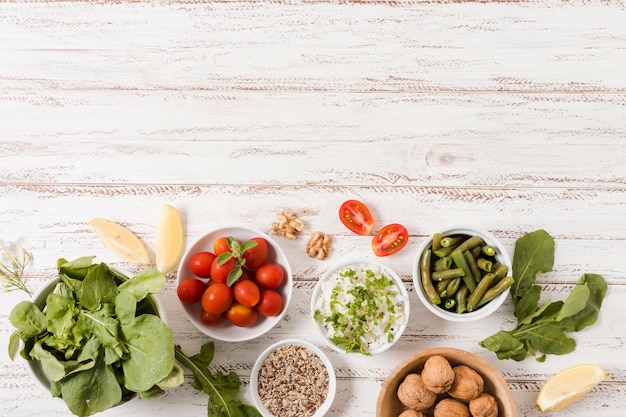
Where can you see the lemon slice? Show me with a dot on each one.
(568, 385)
(170, 239)
(121, 240)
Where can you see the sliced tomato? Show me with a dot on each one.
(390, 239)
(356, 217)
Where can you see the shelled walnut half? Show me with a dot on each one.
(318, 245)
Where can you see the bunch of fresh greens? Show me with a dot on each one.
(221, 389)
(99, 338)
(544, 328)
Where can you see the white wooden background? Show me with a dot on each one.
(505, 115)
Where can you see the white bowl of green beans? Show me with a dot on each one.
(462, 273)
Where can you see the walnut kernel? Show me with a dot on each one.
(318, 245)
(288, 225)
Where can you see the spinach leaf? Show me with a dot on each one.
(98, 287)
(222, 389)
(544, 328)
(148, 281)
(28, 319)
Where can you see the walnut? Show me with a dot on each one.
(414, 394)
(288, 225)
(412, 413)
(467, 384)
(485, 405)
(318, 245)
(449, 407)
(437, 374)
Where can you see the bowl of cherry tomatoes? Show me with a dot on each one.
(234, 283)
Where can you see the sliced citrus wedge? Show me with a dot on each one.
(566, 386)
(170, 239)
(121, 240)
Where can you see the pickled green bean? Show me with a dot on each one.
(496, 290)
(484, 264)
(469, 244)
(471, 262)
(500, 270)
(436, 241)
(447, 274)
(461, 299)
(442, 288)
(453, 286)
(441, 252)
(451, 241)
(488, 250)
(450, 303)
(480, 291)
(427, 282)
(442, 264)
(459, 260)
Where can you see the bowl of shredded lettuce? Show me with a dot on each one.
(360, 306)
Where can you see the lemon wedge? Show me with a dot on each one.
(121, 240)
(566, 386)
(170, 239)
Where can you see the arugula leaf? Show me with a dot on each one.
(222, 389)
(544, 328)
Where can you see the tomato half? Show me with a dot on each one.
(356, 217)
(390, 239)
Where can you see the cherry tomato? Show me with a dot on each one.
(390, 239)
(270, 303)
(269, 275)
(246, 292)
(190, 290)
(241, 315)
(221, 245)
(217, 298)
(356, 217)
(200, 264)
(219, 273)
(257, 255)
(212, 319)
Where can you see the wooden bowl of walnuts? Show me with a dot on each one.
(442, 382)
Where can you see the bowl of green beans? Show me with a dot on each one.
(462, 273)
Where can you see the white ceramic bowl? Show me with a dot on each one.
(318, 292)
(254, 376)
(39, 298)
(480, 313)
(226, 331)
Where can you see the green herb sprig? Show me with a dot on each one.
(12, 272)
(544, 328)
(236, 251)
(222, 389)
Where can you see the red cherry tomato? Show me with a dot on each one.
(200, 264)
(246, 292)
(217, 298)
(270, 303)
(241, 315)
(269, 275)
(356, 217)
(257, 255)
(221, 245)
(190, 290)
(390, 239)
(219, 273)
(212, 319)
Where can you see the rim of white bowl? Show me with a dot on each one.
(360, 261)
(486, 310)
(237, 334)
(332, 380)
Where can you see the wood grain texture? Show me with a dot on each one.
(505, 115)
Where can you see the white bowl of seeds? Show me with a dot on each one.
(293, 378)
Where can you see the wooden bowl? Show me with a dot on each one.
(388, 404)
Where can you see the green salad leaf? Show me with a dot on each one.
(544, 328)
(98, 338)
(222, 389)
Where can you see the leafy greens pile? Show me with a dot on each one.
(99, 338)
(544, 328)
(222, 389)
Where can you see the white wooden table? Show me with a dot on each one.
(504, 115)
